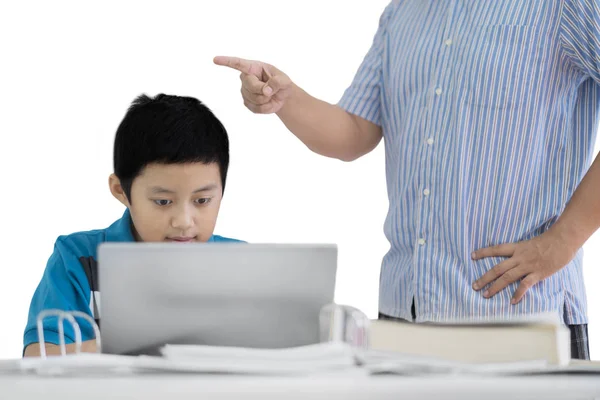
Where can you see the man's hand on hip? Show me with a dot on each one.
(529, 261)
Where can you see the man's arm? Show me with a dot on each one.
(537, 259)
(324, 128)
(33, 350)
(581, 217)
(327, 129)
(347, 131)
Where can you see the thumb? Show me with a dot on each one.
(275, 84)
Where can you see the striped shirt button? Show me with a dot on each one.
(421, 242)
(426, 192)
(430, 141)
(448, 42)
(438, 91)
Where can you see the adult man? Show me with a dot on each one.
(489, 114)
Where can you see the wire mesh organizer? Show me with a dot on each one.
(71, 317)
(340, 326)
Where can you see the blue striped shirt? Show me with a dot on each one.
(489, 113)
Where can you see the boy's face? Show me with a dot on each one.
(173, 202)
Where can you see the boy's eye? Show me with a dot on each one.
(203, 200)
(162, 202)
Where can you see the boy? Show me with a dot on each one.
(171, 156)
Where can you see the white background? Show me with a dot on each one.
(68, 71)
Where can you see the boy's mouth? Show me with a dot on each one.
(182, 239)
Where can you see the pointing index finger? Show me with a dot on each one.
(236, 63)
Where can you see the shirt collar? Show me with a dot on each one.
(121, 229)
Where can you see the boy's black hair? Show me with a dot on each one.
(168, 130)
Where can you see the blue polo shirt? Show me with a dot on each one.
(70, 281)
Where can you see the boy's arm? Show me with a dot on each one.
(33, 350)
(64, 286)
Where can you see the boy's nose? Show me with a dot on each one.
(183, 220)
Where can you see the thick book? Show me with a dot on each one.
(539, 339)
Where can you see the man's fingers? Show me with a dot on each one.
(494, 273)
(501, 250)
(275, 84)
(260, 109)
(255, 74)
(260, 82)
(252, 89)
(524, 286)
(510, 276)
(255, 86)
(257, 99)
(252, 84)
(240, 64)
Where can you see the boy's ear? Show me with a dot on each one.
(114, 184)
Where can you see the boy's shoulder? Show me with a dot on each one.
(85, 243)
(81, 243)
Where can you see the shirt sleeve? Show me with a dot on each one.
(363, 97)
(580, 35)
(63, 286)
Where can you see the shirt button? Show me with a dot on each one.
(430, 141)
(426, 192)
(421, 241)
(448, 42)
(438, 91)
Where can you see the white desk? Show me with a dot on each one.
(331, 387)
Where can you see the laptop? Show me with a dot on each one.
(219, 294)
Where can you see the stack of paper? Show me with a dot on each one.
(322, 358)
(298, 360)
(80, 364)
